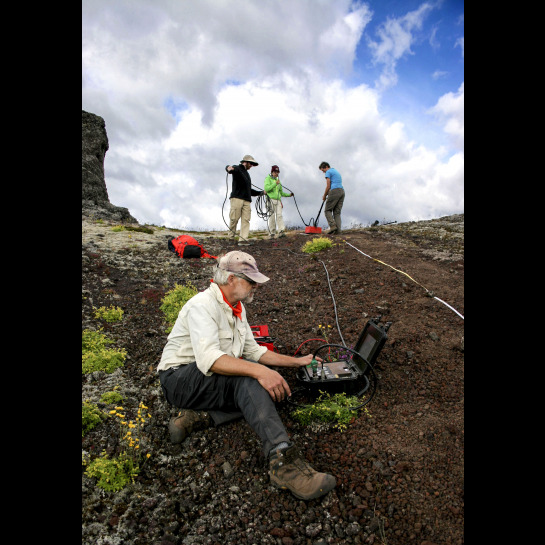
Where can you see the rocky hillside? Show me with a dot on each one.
(399, 466)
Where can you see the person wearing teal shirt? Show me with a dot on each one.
(273, 189)
(334, 193)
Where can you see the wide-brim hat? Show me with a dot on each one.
(249, 159)
(242, 263)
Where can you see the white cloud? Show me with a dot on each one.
(396, 36)
(450, 110)
(186, 88)
(460, 43)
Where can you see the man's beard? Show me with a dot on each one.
(249, 298)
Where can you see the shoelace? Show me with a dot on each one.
(294, 457)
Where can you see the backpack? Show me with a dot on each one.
(187, 247)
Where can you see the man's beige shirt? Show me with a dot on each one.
(205, 330)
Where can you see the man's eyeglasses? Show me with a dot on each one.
(244, 277)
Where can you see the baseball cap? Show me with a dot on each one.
(242, 263)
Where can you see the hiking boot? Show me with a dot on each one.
(330, 232)
(186, 422)
(289, 470)
(281, 234)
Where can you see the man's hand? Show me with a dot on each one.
(305, 360)
(275, 384)
(273, 358)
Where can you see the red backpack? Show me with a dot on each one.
(186, 246)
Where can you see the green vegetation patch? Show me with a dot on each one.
(96, 357)
(110, 314)
(316, 245)
(174, 300)
(111, 397)
(337, 409)
(119, 228)
(91, 417)
(113, 473)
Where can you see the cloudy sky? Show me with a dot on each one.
(375, 88)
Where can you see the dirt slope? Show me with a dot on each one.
(399, 469)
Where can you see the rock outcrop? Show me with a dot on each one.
(95, 202)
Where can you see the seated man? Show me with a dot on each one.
(201, 370)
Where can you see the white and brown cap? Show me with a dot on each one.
(242, 263)
(249, 159)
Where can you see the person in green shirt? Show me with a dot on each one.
(273, 189)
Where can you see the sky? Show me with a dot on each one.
(186, 87)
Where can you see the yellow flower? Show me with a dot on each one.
(112, 412)
(148, 455)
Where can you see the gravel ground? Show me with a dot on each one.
(399, 466)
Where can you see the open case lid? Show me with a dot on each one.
(369, 345)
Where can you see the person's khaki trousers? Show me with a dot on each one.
(276, 221)
(240, 210)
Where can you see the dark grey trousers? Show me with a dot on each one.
(225, 398)
(333, 207)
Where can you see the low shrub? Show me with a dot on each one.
(111, 397)
(337, 408)
(174, 300)
(112, 474)
(96, 357)
(91, 417)
(110, 314)
(316, 245)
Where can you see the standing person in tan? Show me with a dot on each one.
(241, 199)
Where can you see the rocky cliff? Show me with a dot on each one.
(95, 202)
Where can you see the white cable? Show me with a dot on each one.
(429, 292)
(440, 300)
